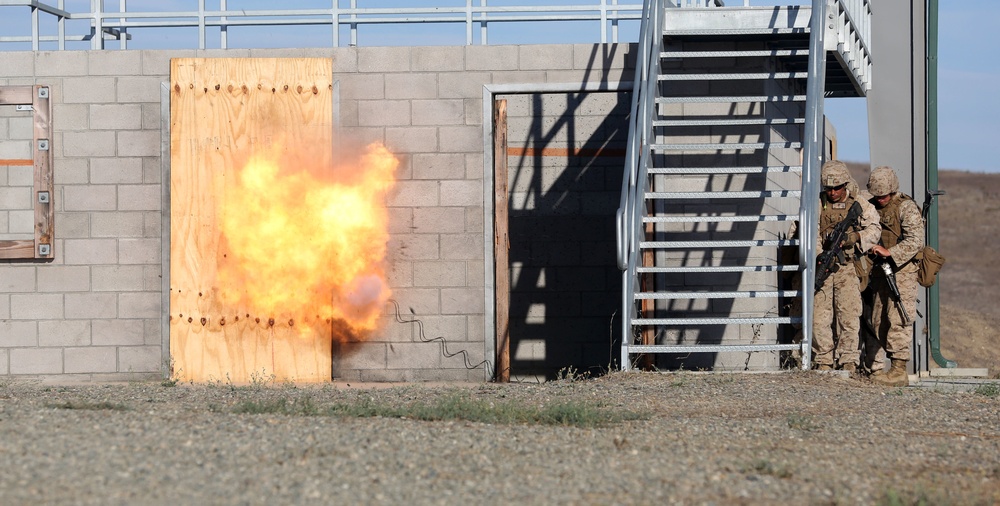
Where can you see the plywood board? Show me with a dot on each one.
(221, 112)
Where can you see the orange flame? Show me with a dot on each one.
(306, 238)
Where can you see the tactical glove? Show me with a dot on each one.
(851, 240)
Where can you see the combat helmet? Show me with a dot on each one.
(834, 173)
(883, 181)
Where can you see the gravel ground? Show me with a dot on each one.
(694, 438)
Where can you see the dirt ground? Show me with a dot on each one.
(969, 234)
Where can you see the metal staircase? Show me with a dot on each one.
(726, 141)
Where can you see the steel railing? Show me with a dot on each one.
(123, 24)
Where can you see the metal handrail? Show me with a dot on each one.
(475, 13)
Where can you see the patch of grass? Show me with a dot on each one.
(766, 467)
(94, 406)
(801, 422)
(456, 406)
(988, 390)
(169, 382)
(893, 497)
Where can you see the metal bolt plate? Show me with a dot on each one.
(44, 250)
(43, 197)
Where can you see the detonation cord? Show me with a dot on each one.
(441, 340)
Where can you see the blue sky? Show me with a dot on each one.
(968, 69)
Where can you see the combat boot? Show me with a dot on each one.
(896, 377)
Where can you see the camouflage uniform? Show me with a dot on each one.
(837, 304)
(903, 236)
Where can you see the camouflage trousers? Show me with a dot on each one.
(894, 338)
(837, 319)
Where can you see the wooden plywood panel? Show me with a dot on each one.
(222, 111)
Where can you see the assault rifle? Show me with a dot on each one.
(890, 280)
(832, 256)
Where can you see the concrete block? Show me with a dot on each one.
(436, 166)
(461, 139)
(36, 361)
(473, 111)
(139, 89)
(54, 333)
(17, 63)
(72, 171)
(418, 302)
(383, 59)
(91, 305)
(462, 301)
(362, 356)
(89, 144)
(491, 57)
(114, 63)
(74, 225)
(59, 63)
(415, 194)
(438, 112)
(413, 356)
(411, 86)
(550, 58)
(462, 246)
(15, 198)
(18, 334)
(345, 60)
(150, 116)
(139, 143)
(90, 251)
(145, 197)
(400, 274)
(36, 306)
(462, 193)
(598, 57)
(157, 62)
(140, 305)
(16, 278)
(441, 220)
(72, 117)
(474, 220)
(63, 278)
(117, 332)
(518, 77)
(152, 170)
(107, 224)
(414, 246)
(361, 86)
(134, 359)
(21, 222)
(115, 117)
(438, 274)
(89, 90)
(4, 362)
(139, 251)
(463, 84)
(438, 58)
(91, 360)
(152, 278)
(153, 331)
(411, 139)
(383, 112)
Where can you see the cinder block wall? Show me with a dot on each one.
(96, 312)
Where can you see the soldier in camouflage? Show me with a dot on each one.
(837, 305)
(902, 238)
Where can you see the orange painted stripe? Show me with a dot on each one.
(16, 162)
(565, 152)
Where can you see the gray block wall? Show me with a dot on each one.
(97, 311)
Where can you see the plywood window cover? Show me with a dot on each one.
(41, 247)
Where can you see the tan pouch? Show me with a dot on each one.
(929, 263)
(863, 266)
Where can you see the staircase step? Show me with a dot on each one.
(734, 54)
(719, 268)
(724, 170)
(752, 294)
(730, 99)
(709, 348)
(716, 244)
(719, 219)
(774, 320)
(717, 146)
(736, 31)
(727, 122)
(723, 195)
(733, 76)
